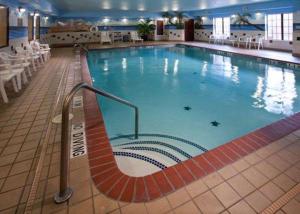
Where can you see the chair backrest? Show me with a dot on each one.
(20, 50)
(134, 35)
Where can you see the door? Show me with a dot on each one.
(189, 30)
(30, 28)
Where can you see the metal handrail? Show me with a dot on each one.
(65, 192)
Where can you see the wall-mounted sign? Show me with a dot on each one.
(78, 140)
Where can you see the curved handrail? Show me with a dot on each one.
(65, 191)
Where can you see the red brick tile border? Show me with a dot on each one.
(113, 183)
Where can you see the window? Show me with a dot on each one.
(222, 26)
(279, 26)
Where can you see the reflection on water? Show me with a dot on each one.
(276, 92)
(224, 67)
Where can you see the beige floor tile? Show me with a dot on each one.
(4, 170)
(293, 173)
(241, 208)
(292, 207)
(280, 212)
(208, 203)
(213, 179)
(241, 165)
(10, 198)
(196, 188)
(288, 156)
(118, 211)
(134, 208)
(14, 182)
(8, 159)
(297, 197)
(178, 197)
(20, 167)
(241, 185)
(226, 194)
(267, 169)
(102, 203)
(271, 191)
(11, 149)
(278, 162)
(82, 207)
(284, 182)
(255, 177)
(52, 185)
(228, 172)
(258, 201)
(252, 158)
(29, 154)
(187, 208)
(158, 206)
(81, 192)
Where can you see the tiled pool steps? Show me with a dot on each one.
(151, 152)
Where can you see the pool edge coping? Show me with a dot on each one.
(115, 184)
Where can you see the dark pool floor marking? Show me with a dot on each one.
(156, 143)
(187, 108)
(163, 152)
(215, 123)
(141, 157)
(131, 137)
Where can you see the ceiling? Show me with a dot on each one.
(143, 5)
(142, 8)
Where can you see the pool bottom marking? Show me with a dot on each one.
(187, 108)
(131, 137)
(215, 123)
(144, 148)
(141, 157)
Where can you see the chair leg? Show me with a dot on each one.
(29, 70)
(19, 82)
(33, 65)
(15, 85)
(24, 77)
(3, 92)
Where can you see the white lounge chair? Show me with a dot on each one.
(104, 36)
(135, 37)
(244, 40)
(37, 48)
(18, 72)
(34, 58)
(16, 61)
(4, 78)
(257, 41)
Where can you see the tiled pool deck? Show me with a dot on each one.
(244, 176)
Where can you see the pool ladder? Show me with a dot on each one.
(65, 192)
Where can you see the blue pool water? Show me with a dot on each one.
(192, 93)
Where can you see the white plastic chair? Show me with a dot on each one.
(16, 61)
(257, 42)
(36, 47)
(18, 72)
(4, 78)
(34, 58)
(104, 36)
(135, 37)
(244, 40)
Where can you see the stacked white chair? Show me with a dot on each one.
(105, 38)
(6, 76)
(135, 37)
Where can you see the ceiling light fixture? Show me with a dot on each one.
(124, 20)
(21, 10)
(105, 20)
